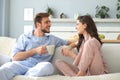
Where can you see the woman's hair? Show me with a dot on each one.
(91, 29)
(39, 16)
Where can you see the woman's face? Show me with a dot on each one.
(80, 27)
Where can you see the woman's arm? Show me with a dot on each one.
(68, 52)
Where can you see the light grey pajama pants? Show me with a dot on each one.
(11, 69)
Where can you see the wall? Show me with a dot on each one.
(69, 7)
(4, 17)
(1, 10)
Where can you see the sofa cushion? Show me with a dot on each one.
(4, 59)
(6, 45)
(58, 55)
(111, 55)
(113, 76)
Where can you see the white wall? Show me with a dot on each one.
(4, 17)
(69, 7)
(111, 33)
(1, 10)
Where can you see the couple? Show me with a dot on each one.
(30, 51)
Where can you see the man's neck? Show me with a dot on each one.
(38, 33)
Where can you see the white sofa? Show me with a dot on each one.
(111, 54)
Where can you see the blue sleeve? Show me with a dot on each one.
(20, 45)
(60, 42)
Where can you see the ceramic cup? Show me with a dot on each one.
(50, 49)
(65, 46)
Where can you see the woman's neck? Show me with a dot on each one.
(86, 36)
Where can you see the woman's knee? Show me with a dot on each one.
(59, 62)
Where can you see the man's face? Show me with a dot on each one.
(45, 25)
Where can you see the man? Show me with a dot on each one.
(30, 51)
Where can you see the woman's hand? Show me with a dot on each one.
(80, 73)
(65, 51)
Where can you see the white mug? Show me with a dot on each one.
(50, 49)
(66, 46)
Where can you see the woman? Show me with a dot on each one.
(89, 60)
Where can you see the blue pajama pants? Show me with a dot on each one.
(11, 69)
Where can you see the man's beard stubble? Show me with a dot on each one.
(45, 31)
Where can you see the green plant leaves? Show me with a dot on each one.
(50, 11)
(102, 12)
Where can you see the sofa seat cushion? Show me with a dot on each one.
(111, 55)
(56, 77)
(113, 76)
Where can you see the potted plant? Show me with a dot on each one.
(102, 12)
(118, 9)
(50, 11)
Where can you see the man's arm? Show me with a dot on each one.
(72, 44)
(23, 55)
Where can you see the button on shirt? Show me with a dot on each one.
(28, 41)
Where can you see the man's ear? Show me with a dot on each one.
(38, 24)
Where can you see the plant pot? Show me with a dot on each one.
(118, 16)
(50, 16)
(102, 16)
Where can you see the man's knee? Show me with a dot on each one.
(41, 69)
(48, 67)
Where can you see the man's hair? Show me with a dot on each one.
(39, 16)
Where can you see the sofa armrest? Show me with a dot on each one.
(4, 59)
(6, 45)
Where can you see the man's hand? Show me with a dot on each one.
(41, 50)
(23, 55)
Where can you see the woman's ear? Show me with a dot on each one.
(85, 26)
